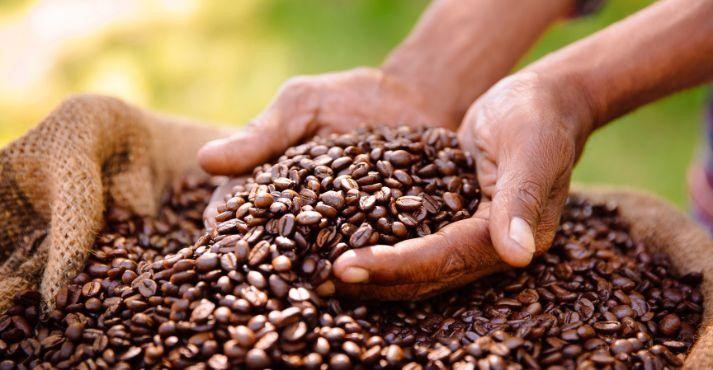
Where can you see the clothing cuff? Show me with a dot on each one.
(584, 8)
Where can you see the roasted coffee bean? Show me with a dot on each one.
(258, 291)
(207, 262)
(259, 253)
(361, 236)
(281, 263)
(607, 327)
(147, 287)
(453, 201)
(670, 324)
(202, 311)
(308, 218)
(257, 359)
(298, 294)
(409, 203)
(91, 288)
(399, 158)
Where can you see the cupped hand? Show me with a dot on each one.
(526, 133)
(306, 106)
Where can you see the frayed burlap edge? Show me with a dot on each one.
(56, 180)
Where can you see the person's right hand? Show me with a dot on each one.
(525, 134)
(307, 106)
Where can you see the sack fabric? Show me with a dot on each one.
(56, 181)
(663, 228)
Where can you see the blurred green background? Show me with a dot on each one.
(223, 60)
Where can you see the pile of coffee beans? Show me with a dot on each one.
(596, 299)
(256, 291)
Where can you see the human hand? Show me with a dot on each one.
(317, 105)
(525, 133)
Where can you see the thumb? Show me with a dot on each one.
(241, 152)
(521, 193)
(284, 123)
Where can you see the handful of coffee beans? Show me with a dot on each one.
(256, 292)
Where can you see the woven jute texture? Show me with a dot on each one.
(56, 180)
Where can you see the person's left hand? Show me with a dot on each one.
(525, 134)
(318, 105)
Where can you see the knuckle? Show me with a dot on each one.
(530, 196)
(522, 85)
(366, 71)
(297, 85)
(256, 123)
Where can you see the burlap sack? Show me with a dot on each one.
(665, 229)
(56, 180)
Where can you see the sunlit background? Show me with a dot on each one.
(223, 60)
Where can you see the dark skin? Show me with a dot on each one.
(526, 131)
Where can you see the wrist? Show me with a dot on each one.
(460, 48)
(434, 98)
(662, 49)
(428, 98)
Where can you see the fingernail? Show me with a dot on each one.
(521, 233)
(354, 275)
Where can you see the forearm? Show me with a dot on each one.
(459, 48)
(662, 49)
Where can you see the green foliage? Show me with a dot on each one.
(226, 61)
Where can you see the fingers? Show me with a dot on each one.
(449, 256)
(217, 199)
(526, 197)
(288, 119)
(241, 152)
(399, 292)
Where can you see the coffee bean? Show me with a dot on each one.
(298, 294)
(258, 253)
(228, 262)
(202, 311)
(218, 362)
(91, 288)
(361, 236)
(670, 325)
(453, 201)
(207, 261)
(607, 326)
(233, 350)
(281, 263)
(263, 200)
(333, 199)
(257, 359)
(409, 203)
(340, 362)
(399, 158)
(403, 178)
(93, 304)
(385, 168)
(286, 225)
(294, 332)
(367, 203)
(308, 218)
(258, 291)
(147, 287)
(244, 336)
